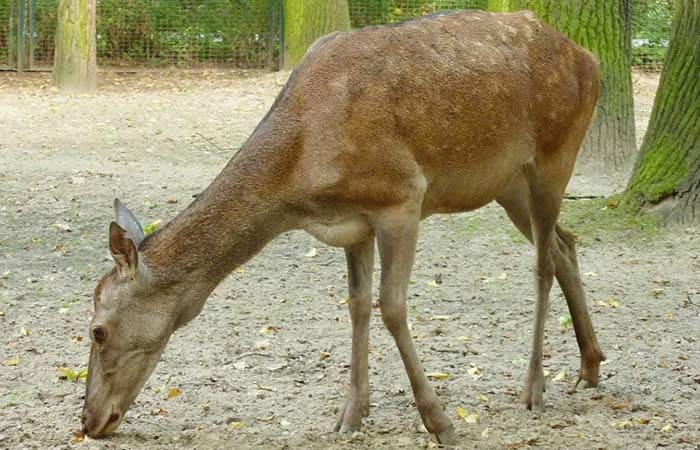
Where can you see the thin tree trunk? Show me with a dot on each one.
(75, 62)
(602, 27)
(666, 177)
(307, 20)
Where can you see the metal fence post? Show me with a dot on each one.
(281, 52)
(20, 35)
(32, 32)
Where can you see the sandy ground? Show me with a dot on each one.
(154, 140)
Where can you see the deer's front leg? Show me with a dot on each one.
(396, 238)
(360, 259)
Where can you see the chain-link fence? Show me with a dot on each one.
(375, 12)
(239, 33)
(151, 33)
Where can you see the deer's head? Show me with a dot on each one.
(132, 324)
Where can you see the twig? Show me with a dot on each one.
(582, 197)
(213, 143)
(244, 355)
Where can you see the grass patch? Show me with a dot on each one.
(604, 220)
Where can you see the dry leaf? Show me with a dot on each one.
(667, 428)
(475, 372)
(159, 412)
(438, 376)
(561, 376)
(13, 361)
(465, 416)
(270, 330)
(78, 436)
(173, 392)
(323, 355)
(76, 338)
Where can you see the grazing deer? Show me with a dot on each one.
(375, 130)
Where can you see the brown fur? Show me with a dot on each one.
(376, 129)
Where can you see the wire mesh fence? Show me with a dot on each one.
(375, 12)
(152, 33)
(239, 33)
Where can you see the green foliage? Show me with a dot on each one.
(651, 30)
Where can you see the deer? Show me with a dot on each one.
(375, 130)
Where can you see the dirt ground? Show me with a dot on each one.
(154, 140)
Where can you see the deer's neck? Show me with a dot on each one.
(234, 218)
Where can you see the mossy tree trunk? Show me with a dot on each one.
(666, 177)
(75, 62)
(601, 26)
(307, 20)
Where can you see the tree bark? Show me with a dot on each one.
(75, 61)
(601, 26)
(307, 20)
(666, 177)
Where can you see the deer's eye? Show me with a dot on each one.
(99, 334)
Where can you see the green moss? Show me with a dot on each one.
(659, 175)
(605, 219)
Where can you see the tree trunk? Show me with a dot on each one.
(602, 27)
(307, 20)
(75, 63)
(666, 177)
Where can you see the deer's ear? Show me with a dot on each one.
(128, 222)
(123, 250)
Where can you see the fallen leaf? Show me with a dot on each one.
(236, 425)
(561, 376)
(69, 374)
(269, 330)
(643, 421)
(323, 355)
(619, 406)
(78, 436)
(12, 361)
(151, 227)
(76, 338)
(173, 392)
(467, 417)
(438, 376)
(475, 372)
(656, 292)
(667, 428)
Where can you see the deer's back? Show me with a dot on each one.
(463, 99)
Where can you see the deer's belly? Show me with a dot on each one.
(340, 232)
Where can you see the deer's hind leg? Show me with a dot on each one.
(360, 259)
(397, 232)
(516, 201)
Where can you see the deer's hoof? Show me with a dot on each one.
(350, 416)
(447, 437)
(532, 396)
